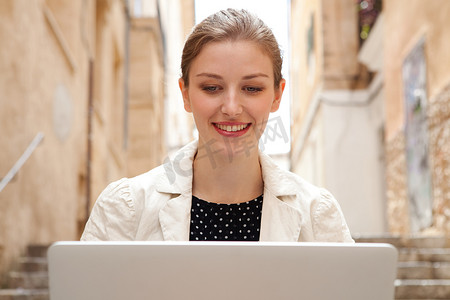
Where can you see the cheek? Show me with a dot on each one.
(201, 108)
(260, 123)
(261, 111)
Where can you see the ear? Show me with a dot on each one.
(278, 95)
(185, 93)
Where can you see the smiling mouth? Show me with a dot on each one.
(231, 128)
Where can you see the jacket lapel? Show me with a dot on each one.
(175, 218)
(280, 221)
(176, 183)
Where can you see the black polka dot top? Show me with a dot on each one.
(225, 222)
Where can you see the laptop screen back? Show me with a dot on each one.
(221, 270)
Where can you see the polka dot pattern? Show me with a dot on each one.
(225, 222)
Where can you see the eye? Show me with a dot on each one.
(210, 88)
(252, 89)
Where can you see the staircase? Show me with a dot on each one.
(29, 278)
(423, 266)
(423, 270)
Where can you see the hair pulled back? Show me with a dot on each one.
(231, 25)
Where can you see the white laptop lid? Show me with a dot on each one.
(221, 270)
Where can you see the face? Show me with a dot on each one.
(231, 93)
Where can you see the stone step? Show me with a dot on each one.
(396, 241)
(21, 294)
(37, 251)
(28, 280)
(406, 242)
(427, 242)
(423, 270)
(424, 254)
(422, 289)
(32, 264)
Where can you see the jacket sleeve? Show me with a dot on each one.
(113, 215)
(328, 222)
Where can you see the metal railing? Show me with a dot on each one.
(10, 175)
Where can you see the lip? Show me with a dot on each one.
(232, 133)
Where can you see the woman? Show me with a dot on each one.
(222, 187)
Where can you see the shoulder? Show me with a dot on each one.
(167, 176)
(118, 209)
(125, 189)
(113, 213)
(317, 205)
(328, 221)
(147, 180)
(116, 191)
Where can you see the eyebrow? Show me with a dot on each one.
(210, 75)
(251, 76)
(246, 77)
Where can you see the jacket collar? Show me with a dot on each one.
(178, 173)
(280, 221)
(278, 181)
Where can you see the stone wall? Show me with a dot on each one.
(408, 22)
(397, 196)
(439, 130)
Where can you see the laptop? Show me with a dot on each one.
(221, 271)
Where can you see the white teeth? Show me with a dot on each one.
(232, 128)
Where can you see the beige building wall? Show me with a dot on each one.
(325, 48)
(407, 22)
(337, 112)
(108, 161)
(175, 21)
(88, 77)
(307, 59)
(373, 178)
(146, 146)
(43, 88)
(179, 124)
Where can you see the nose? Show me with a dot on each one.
(232, 104)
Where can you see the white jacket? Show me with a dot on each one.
(156, 205)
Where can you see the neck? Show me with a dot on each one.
(227, 179)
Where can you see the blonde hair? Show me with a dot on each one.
(231, 25)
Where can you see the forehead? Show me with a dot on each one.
(232, 57)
